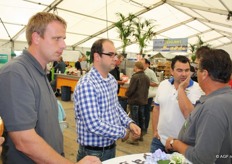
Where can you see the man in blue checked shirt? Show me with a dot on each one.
(100, 119)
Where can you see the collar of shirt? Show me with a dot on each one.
(171, 80)
(223, 90)
(36, 64)
(97, 76)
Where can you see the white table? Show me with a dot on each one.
(128, 159)
(132, 159)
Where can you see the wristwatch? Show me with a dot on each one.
(172, 142)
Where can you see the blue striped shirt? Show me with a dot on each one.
(100, 119)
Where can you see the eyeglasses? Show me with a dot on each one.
(110, 54)
(198, 69)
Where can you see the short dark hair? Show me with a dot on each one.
(97, 47)
(201, 50)
(192, 69)
(218, 64)
(147, 61)
(180, 58)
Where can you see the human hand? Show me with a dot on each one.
(168, 147)
(124, 78)
(184, 84)
(156, 135)
(134, 137)
(123, 82)
(135, 130)
(89, 160)
(127, 135)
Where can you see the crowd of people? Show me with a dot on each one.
(189, 117)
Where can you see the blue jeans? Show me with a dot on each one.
(147, 111)
(137, 114)
(156, 144)
(101, 154)
(123, 102)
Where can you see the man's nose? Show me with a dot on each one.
(63, 44)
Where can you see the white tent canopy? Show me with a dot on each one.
(93, 19)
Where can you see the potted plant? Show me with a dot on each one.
(125, 30)
(143, 32)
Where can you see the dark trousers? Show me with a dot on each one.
(101, 154)
(157, 144)
(137, 115)
(147, 111)
(123, 102)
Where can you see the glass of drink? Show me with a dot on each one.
(1, 126)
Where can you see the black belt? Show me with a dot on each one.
(100, 148)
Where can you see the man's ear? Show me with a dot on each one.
(35, 37)
(205, 74)
(96, 56)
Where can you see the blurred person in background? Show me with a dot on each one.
(60, 66)
(49, 72)
(137, 93)
(78, 64)
(154, 82)
(230, 82)
(116, 73)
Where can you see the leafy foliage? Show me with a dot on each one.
(134, 29)
(125, 30)
(143, 32)
(194, 47)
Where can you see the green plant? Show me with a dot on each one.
(125, 30)
(194, 47)
(88, 59)
(143, 32)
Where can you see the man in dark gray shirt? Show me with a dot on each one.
(27, 103)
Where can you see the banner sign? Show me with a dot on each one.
(171, 45)
(3, 58)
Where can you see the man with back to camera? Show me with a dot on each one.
(100, 119)
(154, 82)
(174, 101)
(137, 93)
(28, 104)
(206, 135)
